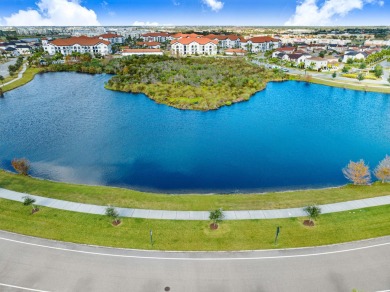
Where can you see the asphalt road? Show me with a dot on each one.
(32, 264)
(4, 67)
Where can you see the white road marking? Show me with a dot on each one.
(21, 288)
(196, 259)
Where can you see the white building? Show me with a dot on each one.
(112, 38)
(81, 45)
(192, 46)
(296, 58)
(156, 37)
(354, 56)
(316, 63)
(226, 41)
(260, 44)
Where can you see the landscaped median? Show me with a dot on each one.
(134, 199)
(194, 235)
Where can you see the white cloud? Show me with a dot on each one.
(309, 13)
(107, 9)
(143, 23)
(215, 5)
(52, 13)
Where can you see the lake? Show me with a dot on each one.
(292, 135)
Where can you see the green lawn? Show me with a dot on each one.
(134, 199)
(27, 77)
(346, 85)
(193, 235)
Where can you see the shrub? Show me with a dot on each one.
(313, 211)
(216, 216)
(357, 172)
(21, 165)
(112, 213)
(382, 171)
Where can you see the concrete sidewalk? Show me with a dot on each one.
(20, 75)
(194, 215)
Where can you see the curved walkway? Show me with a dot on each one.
(20, 75)
(194, 215)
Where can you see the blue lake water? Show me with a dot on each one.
(291, 135)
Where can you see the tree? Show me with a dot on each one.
(378, 71)
(357, 172)
(382, 171)
(112, 213)
(349, 61)
(334, 74)
(216, 216)
(11, 69)
(21, 165)
(388, 79)
(28, 201)
(345, 69)
(1, 79)
(360, 77)
(313, 211)
(363, 65)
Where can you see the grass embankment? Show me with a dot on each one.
(135, 199)
(27, 77)
(344, 84)
(193, 235)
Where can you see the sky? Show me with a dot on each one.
(195, 12)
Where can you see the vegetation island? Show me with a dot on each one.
(196, 83)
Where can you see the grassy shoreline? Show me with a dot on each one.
(344, 85)
(28, 76)
(119, 197)
(194, 235)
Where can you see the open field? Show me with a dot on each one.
(134, 199)
(193, 235)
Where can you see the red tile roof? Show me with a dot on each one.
(263, 39)
(109, 35)
(82, 41)
(284, 49)
(233, 37)
(216, 36)
(156, 34)
(184, 35)
(201, 41)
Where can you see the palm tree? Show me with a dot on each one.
(112, 213)
(216, 216)
(28, 201)
(313, 211)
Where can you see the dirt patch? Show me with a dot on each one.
(308, 223)
(34, 210)
(116, 222)
(213, 226)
